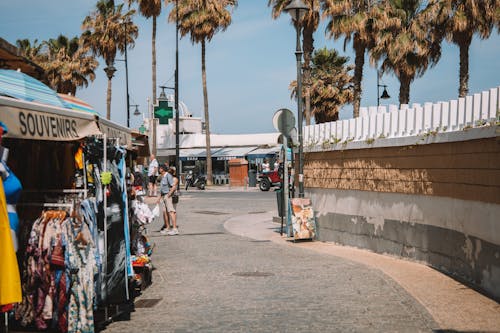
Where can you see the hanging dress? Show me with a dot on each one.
(81, 267)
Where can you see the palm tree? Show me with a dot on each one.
(68, 64)
(461, 20)
(332, 85)
(151, 8)
(407, 41)
(202, 19)
(28, 50)
(352, 19)
(104, 34)
(310, 23)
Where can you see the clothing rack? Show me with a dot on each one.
(74, 191)
(47, 204)
(111, 312)
(81, 193)
(58, 205)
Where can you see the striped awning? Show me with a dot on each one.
(264, 152)
(77, 104)
(22, 86)
(229, 153)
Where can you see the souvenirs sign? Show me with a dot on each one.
(46, 123)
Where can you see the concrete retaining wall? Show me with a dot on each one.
(436, 203)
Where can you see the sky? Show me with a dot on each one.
(249, 66)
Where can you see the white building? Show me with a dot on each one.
(224, 147)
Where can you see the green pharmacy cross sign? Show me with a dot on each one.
(163, 112)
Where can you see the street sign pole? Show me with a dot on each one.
(285, 183)
(284, 121)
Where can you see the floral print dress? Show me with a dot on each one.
(80, 267)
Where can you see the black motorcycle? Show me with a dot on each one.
(198, 181)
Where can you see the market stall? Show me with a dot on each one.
(74, 237)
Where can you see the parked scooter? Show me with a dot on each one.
(198, 181)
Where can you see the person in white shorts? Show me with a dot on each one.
(168, 186)
(152, 175)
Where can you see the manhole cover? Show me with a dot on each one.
(147, 302)
(253, 274)
(208, 212)
(256, 212)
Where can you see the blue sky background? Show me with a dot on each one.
(249, 66)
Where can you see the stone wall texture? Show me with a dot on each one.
(435, 203)
(468, 170)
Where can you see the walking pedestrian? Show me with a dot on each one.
(152, 175)
(168, 188)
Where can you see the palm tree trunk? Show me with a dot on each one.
(404, 89)
(464, 45)
(308, 41)
(153, 56)
(307, 95)
(207, 121)
(359, 62)
(108, 101)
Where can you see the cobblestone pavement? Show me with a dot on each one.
(209, 280)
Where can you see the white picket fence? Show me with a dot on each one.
(379, 122)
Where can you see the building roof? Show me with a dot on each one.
(11, 58)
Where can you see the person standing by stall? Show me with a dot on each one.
(168, 188)
(152, 175)
(164, 188)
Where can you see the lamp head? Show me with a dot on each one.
(137, 112)
(297, 9)
(162, 94)
(385, 95)
(110, 71)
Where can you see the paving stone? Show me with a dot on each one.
(304, 292)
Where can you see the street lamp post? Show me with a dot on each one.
(126, 76)
(297, 9)
(124, 22)
(176, 97)
(385, 95)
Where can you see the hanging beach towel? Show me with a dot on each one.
(10, 283)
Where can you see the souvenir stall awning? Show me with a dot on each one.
(22, 86)
(140, 144)
(264, 152)
(77, 104)
(36, 121)
(115, 131)
(232, 152)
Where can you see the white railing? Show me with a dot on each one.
(379, 122)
